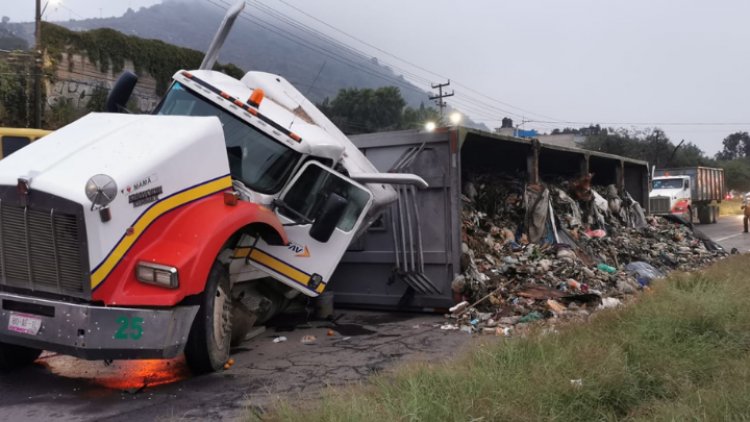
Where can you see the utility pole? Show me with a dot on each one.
(38, 67)
(439, 98)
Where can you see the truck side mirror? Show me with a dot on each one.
(121, 92)
(329, 217)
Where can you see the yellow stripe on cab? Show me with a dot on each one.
(148, 217)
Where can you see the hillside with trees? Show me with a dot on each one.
(108, 50)
(317, 66)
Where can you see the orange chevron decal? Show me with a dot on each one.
(304, 254)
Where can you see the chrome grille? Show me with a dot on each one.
(660, 205)
(41, 250)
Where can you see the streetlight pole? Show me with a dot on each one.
(38, 67)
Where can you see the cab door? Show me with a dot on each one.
(322, 211)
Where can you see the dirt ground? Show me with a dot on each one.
(363, 343)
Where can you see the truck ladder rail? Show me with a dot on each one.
(407, 233)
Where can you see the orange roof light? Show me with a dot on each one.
(256, 97)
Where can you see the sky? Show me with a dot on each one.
(679, 65)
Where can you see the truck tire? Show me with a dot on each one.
(704, 214)
(207, 348)
(15, 357)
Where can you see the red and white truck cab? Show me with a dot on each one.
(140, 236)
(671, 195)
(688, 192)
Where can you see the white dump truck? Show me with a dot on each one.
(139, 236)
(688, 192)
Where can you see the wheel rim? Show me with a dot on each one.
(220, 316)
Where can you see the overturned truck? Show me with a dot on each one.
(417, 244)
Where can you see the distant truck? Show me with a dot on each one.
(688, 191)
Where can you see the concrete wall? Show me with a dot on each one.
(77, 82)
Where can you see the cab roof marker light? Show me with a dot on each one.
(295, 136)
(256, 97)
(187, 74)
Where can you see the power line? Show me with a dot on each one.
(439, 98)
(358, 53)
(415, 65)
(646, 123)
(360, 40)
(351, 51)
(347, 48)
(332, 55)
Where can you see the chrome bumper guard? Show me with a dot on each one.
(94, 332)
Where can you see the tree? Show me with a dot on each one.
(736, 145)
(689, 155)
(650, 145)
(737, 174)
(371, 110)
(15, 107)
(416, 118)
(97, 99)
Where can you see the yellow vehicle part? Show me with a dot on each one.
(13, 139)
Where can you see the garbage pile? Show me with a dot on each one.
(531, 252)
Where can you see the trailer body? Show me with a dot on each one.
(396, 266)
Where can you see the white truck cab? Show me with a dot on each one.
(671, 195)
(688, 192)
(141, 236)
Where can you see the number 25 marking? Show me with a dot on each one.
(129, 328)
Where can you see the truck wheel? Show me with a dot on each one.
(207, 348)
(14, 357)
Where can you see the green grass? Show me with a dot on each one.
(731, 207)
(679, 353)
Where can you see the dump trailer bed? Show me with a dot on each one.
(707, 184)
(409, 258)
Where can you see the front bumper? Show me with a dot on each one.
(94, 332)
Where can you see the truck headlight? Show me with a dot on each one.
(101, 190)
(157, 274)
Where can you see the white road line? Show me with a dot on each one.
(721, 239)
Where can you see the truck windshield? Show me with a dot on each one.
(255, 159)
(667, 184)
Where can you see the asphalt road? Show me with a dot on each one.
(728, 233)
(362, 343)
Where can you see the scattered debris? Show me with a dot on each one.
(644, 272)
(458, 309)
(566, 249)
(309, 339)
(279, 339)
(609, 303)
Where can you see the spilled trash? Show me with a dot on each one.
(565, 249)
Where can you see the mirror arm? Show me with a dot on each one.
(302, 219)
